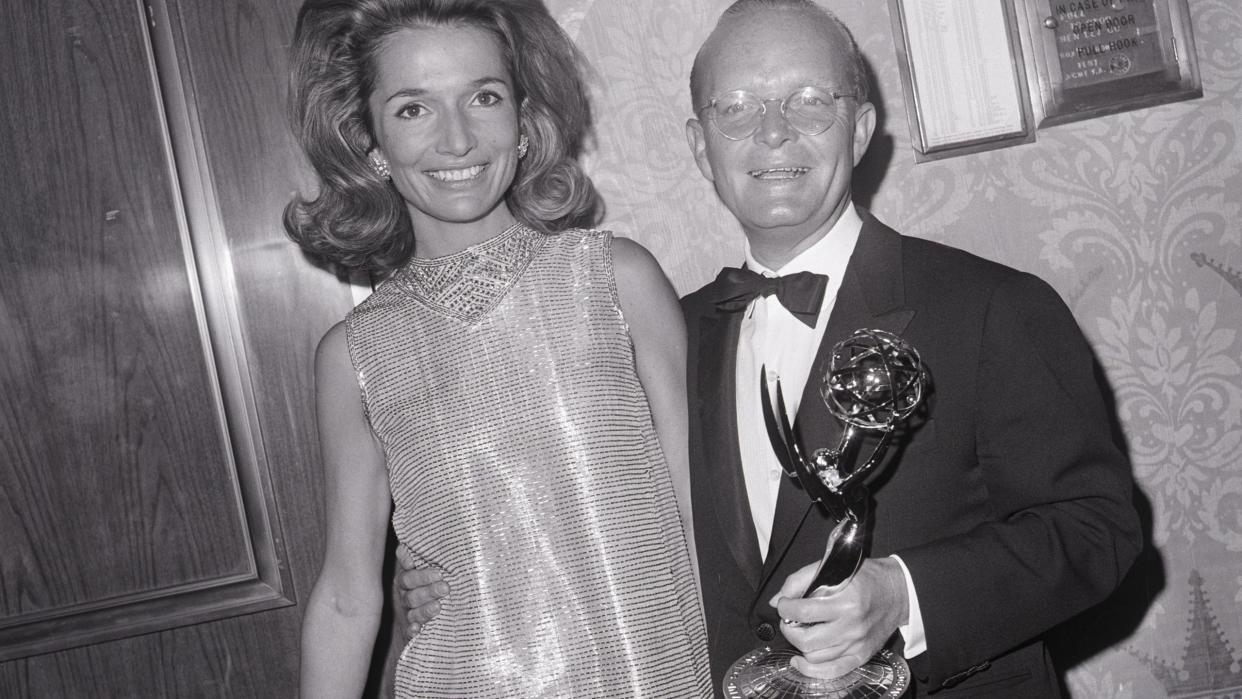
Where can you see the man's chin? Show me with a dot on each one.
(777, 221)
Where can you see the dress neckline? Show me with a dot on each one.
(497, 240)
(468, 284)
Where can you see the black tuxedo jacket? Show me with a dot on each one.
(1007, 498)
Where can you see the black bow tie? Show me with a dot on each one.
(802, 293)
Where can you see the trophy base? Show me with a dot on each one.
(766, 673)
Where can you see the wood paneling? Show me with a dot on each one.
(117, 460)
(157, 443)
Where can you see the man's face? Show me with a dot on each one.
(783, 186)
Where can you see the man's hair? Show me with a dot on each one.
(361, 222)
(857, 77)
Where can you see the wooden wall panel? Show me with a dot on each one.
(113, 182)
(115, 452)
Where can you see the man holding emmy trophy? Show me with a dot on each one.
(924, 480)
(1002, 506)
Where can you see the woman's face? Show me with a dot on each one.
(445, 117)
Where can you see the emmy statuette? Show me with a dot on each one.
(874, 381)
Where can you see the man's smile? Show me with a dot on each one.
(779, 173)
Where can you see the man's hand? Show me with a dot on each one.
(840, 628)
(421, 590)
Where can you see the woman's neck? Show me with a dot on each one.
(435, 238)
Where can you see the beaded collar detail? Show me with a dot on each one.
(468, 284)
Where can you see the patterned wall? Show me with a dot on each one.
(1135, 218)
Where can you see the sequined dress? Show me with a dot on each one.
(523, 462)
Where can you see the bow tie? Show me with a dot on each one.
(802, 293)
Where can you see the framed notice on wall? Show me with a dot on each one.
(1096, 57)
(962, 74)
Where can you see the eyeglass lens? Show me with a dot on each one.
(809, 110)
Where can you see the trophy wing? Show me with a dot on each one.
(803, 469)
(782, 439)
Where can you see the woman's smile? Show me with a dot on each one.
(458, 174)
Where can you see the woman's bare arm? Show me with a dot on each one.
(343, 612)
(658, 330)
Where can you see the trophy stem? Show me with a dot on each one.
(842, 555)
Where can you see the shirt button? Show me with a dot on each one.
(765, 632)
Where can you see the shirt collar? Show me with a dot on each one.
(829, 255)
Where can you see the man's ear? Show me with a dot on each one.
(864, 128)
(698, 147)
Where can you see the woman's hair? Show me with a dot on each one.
(359, 221)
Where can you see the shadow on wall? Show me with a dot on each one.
(1117, 618)
(869, 174)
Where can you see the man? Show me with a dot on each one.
(1007, 509)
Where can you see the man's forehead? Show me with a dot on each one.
(773, 50)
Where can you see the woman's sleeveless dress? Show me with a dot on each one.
(524, 463)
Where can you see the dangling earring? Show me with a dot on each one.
(523, 144)
(380, 165)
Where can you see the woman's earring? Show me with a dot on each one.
(380, 165)
(523, 144)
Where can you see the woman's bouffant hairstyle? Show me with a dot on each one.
(358, 220)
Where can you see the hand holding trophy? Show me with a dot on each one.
(874, 381)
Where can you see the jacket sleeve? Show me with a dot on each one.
(1062, 529)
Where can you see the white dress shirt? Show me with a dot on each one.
(773, 338)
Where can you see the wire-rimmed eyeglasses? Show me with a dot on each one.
(809, 110)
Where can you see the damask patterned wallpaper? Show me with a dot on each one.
(1135, 218)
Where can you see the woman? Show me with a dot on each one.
(506, 391)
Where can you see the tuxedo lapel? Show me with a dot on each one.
(871, 296)
(717, 393)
